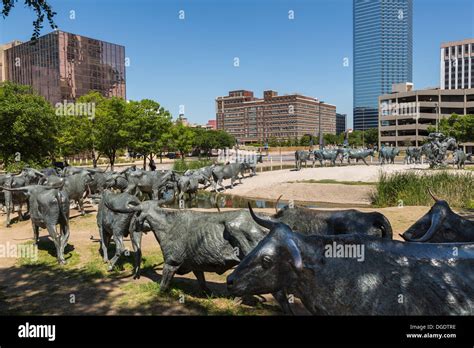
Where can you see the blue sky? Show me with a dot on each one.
(190, 62)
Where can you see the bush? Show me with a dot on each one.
(182, 166)
(15, 167)
(409, 188)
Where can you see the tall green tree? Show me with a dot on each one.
(78, 133)
(355, 138)
(371, 136)
(111, 122)
(182, 138)
(223, 139)
(461, 127)
(148, 122)
(28, 125)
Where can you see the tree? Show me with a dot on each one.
(110, 122)
(355, 138)
(182, 138)
(332, 139)
(163, 143)
(148, 121)
(78, 132)
(204, 140)
(461, 127)
(40, 7)
(28, 125)
(371, 136)
(305, 140)
(223, 139)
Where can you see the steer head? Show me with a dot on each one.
(272, 266)
(440, 225)
(32, 176)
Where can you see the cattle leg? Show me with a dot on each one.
(136, 238)
(168, 274)
(104, 241)
(363, 159)
(119, 249)
(54, 236)
(202, 281)
(20, 208)
(8, 206)
(64, 239)
(80, 205)
(282, 300)
(35, 233)
(221, 185)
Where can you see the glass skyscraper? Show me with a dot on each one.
(383, 53)
(64, 66)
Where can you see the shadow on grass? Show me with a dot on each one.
(84, 287)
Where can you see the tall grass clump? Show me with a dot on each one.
(410, 188)
(182, 166)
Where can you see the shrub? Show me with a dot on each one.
(182, 166)
(410, 188)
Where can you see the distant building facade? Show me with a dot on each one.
(383, 53)
(457, 64)
(63, 66)
(404, 117)
(211, 124)
(252, 119)
(341, 123)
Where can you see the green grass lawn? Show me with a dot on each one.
(86, 271)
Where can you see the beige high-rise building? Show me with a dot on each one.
(457, 64)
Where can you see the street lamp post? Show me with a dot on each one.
(320, 130)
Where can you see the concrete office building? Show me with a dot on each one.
(405, 115)
(288, 116)
(63, 66)
(457, 64)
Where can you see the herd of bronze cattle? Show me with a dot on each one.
(336, 262)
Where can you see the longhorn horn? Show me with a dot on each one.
(276, 204)
(436, 221)
(262, 222)
(15, 189)
(433, 196)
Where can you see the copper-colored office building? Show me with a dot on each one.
(288, 116)
(63, 66)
